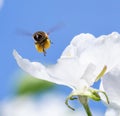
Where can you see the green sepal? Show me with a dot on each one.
(94, 95)
(70, 97)
(99, 91)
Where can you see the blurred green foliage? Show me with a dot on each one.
(30, 85)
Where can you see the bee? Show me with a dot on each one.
(41, 38)
(42, 41)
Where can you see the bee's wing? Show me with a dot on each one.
(23, 32)
(58, 26)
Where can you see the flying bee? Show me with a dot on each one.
(42, 41)
(41, 38)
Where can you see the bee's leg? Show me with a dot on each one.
(44, 51)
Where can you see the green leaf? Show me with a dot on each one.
(30, 85)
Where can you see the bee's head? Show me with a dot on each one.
(39, 35)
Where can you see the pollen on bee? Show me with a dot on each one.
(40, 48)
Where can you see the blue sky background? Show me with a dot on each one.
(97, 17)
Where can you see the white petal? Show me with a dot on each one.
(69, 52)
(95, 51)
(111, 85)
(66, 70)
(35, 69)
(83, 40)
(78, 44)
(104, 51)
(89, 74)
(71, 72)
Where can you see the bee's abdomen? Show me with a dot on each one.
(46, 45)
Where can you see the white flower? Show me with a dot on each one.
(82, 63)
(82, 60)
(111, 85)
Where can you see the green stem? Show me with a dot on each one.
(87, 109)
(84, 101)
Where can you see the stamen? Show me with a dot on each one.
(101, 73)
